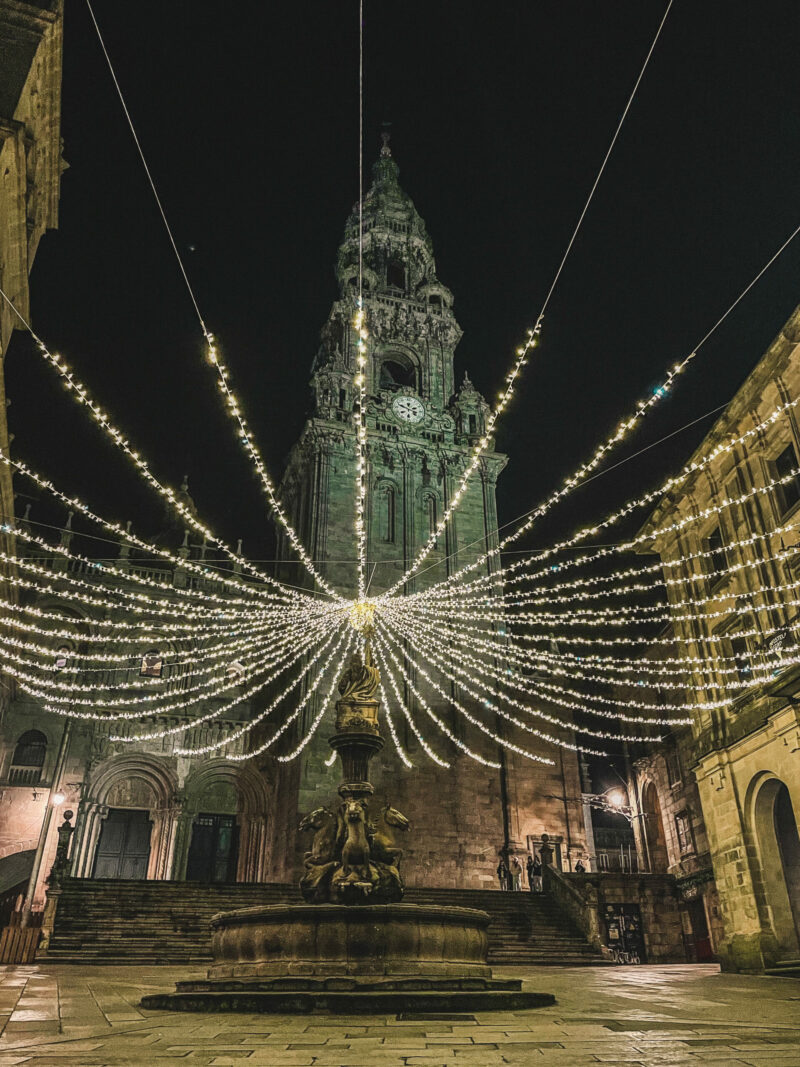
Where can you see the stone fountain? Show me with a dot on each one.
(352, 946)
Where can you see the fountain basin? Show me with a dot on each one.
(300, 958)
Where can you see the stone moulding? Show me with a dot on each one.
(339, 940)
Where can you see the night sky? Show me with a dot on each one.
(501, 115)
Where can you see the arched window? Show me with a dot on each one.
(387, 514)
(395, 374)
(152, 665)
(396, 274)
(429, 503)
(28, 759)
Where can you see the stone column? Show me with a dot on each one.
(89, 823)
(182, 840)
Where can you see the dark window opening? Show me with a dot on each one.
(716, 549)
(396, 275)
(473, 423)
(683, 828)
(741, 657)
(784, 465)
(28, 759)
(430, 511)
(435, 299)
(342, 399)
(394, 375)
(388, 516)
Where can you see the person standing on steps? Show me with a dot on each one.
(503, 874)
(516, 873)
(529, 866)
(546, 851)
(536, 877)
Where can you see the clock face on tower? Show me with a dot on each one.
(408, 408)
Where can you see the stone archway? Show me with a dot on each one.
(138, 784)
(654, 830)
(214, 792)
(774, 826)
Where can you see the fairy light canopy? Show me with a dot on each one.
(531, 654)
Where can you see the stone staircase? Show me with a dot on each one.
(167, 922)
(784, 969)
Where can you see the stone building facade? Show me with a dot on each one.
(140, 809)
(30, 166)
(422, 424)
(745, 755)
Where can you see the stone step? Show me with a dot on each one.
(168, 922)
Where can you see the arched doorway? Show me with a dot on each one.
(778, 845)
(654, 830)
(224, 825)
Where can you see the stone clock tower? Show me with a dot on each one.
(421, 428)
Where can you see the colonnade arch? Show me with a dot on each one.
(134, 808)
(772, 821)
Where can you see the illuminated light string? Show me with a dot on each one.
(203, 690)
(429, 752)
(384, 650)
(204, 573)
(67, 708)
(198, 658)
(191, 724)
(120, 636)
(511, 576)
(324, 704)
(141, 606)
(120, 662)
(121, 633)
(489, 705)
(540, 658)
(105, 570)
(215, 746)
(650, 536)
(523, 352)
(514, 681)
(395, 739)
(622, 431)
(460, 708)
(232, 405)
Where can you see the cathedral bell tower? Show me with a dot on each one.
(420, 424)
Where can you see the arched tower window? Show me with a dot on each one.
(397, 372)
(396, 274)
(388, 508)
(429, 503)
(28, 759)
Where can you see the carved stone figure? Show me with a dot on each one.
(324, 844)
(383, 844)
(360, 682)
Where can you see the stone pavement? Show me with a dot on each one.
(676, 1015)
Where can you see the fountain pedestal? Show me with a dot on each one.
(352, 947)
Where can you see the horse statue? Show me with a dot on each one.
(383, 846)
(323, 846)
(355, 851)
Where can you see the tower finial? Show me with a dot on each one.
(386, 133)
